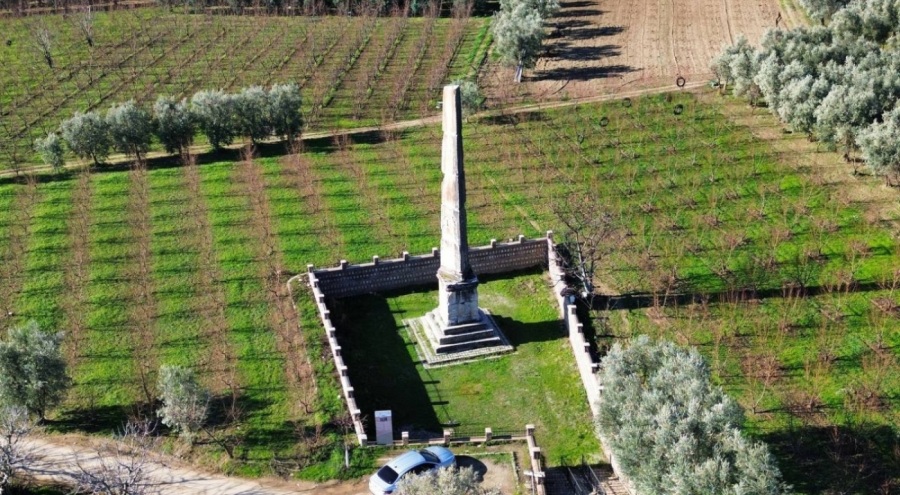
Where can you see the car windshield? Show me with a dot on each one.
(430, 457)
(388, 475)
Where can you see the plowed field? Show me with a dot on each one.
(602, 46)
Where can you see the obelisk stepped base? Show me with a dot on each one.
(439, 343)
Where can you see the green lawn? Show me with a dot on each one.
(537, 384)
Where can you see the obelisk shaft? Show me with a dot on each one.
(454, 240)
(458, 294)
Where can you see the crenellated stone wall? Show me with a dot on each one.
(584, 361)
(409, 271)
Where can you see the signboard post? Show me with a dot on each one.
(384, 428)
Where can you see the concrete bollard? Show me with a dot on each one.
(447, 434)
(405, 255)
(404, 438)
(488, 434)
(529, 430)
(344, 264)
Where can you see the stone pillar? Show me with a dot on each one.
(458, 297)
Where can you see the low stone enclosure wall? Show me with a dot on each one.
(409, 271)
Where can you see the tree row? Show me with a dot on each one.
(254, 113)
(839, 82)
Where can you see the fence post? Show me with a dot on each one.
(488, 435)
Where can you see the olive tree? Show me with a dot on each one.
(879, 143)
(214, 114)
(822, 10)
(15, 454)
(130, 128)
(251, 112)
(672, 431)
(174, 123)
(444, 481)
(546, 8)
(469, 94)
(87, 136)
(32, 369)
(518, 33)
(51, 150)
(284, 108)
(185, 401)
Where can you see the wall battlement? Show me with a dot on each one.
(380, 275)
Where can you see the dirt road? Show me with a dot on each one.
(55, 460)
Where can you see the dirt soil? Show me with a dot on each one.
(605, 46)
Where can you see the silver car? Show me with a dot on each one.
(413, 462)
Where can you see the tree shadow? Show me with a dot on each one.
(465, 461)
(839, 459)
(568, 51)
(577, 4)
(583, 73)
(563, 14)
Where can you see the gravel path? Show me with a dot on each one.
(58, 462)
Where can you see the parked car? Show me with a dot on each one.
(413, 462)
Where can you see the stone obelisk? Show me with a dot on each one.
(458, 300)
(457, 330)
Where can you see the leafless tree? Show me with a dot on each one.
(44, 43)
(588, 227)
(124, 468)
(15, 426)
(84, 20)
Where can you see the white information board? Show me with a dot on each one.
(384, 428)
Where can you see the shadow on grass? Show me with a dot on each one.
(839, 459)
(381, 365)
(386, 373)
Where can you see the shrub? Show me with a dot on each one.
(51, 150)
(185, 402)
(32, 369)
(672, 431)
(470, 95)
(87, 135)
(174, 123)
(444, 481)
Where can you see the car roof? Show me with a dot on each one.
(407, 461)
